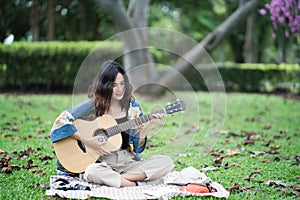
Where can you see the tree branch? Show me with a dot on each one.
(195, 55)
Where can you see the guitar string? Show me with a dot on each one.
(132, 123)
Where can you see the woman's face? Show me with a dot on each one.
(119, 87)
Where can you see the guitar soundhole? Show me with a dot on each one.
(100, 132)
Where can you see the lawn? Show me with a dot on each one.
(256, 153)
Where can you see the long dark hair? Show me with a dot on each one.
(102, 87)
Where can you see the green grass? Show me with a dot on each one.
(27, 119)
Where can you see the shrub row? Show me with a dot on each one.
(250, 78)
(52, 66)
(47, 65)
(262, 77)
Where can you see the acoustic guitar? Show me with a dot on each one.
(75, 156)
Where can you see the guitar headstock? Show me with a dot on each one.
(178, 106)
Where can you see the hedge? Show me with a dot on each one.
(50, 66)
(262, 77)
(235, 77)
(47, 65)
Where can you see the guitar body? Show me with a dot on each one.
(73, 157)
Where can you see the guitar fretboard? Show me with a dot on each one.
(131, 123)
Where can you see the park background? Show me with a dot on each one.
(253, 44)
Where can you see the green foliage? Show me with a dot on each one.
(264, 124)
(261, 77)
(47, 65)
(50, 66)
(252, 77)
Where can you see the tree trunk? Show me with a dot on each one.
(251, 46)
(3, 19)
(83, 21)
(50, 18)
(138, 12)
(213, 39)
(136, 50)
(34, 20)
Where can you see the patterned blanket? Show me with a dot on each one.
(70, 187)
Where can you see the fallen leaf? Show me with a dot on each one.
(282, 191)
(28, 165)
(277, 183)
(277, 137)
(250, 119)
(296, 190)
(15, 139)
(251, 176)
(227, 166)
(45, 158)
(152, 145)
(247, 142)
(7, 135)
(249, 134)
(237, 186)
(276, 159)
(267, 143)
(42, 186)
(5, 165)
(11, 123)
(265, 161)
(15, 128)
(26, 152)
(273, 150)
(40, 130)
(38, 171)
(256, 153)
(198, 144)
(297, 161)
(218, 161)
(232, 134)
(215, 152)
(266, 127)
(284, 132)
(232, 152)
(275, 147)
(36, 118)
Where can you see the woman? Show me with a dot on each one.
(111, 93)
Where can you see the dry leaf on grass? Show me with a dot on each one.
(237, 186)
(232, 152)
(252, 174)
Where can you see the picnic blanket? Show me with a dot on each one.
(171, 186)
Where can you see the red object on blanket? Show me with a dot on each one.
(196, 188)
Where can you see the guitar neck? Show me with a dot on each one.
(132, 123)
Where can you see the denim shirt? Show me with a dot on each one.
(63, 126)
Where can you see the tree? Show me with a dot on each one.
(135, 40)
(251, 45)
(14, 17)
(194, 55)
(285, 19)
(35, 20)
(50, 17)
